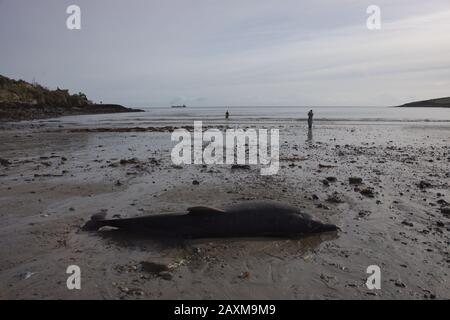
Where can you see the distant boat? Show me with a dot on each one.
(183, 106)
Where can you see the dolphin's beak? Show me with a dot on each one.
(328, 228)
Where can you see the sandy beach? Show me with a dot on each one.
(56, 173)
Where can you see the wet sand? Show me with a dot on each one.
(57, 175)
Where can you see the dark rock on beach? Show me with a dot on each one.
(424, 184)
(445, 211)
(154, 267)
(335, 198)
(354, 180)
(240, 166)
(368, 192)
(4, 162)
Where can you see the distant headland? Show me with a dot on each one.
(433, 103)
(21, 100)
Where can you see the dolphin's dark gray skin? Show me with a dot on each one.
(248, 219)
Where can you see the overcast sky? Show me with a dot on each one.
(231, 52)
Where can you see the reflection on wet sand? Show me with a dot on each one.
(217, 253)
(146, 242)
(309, 139)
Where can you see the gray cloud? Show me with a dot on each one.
(152, 53)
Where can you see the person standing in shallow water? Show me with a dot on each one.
(227, 115)
(310, 119)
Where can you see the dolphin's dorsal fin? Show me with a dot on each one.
(99, 216)
(203, 210)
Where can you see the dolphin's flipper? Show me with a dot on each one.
(99, 216)
(203, 210)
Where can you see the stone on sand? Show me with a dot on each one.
(355, 180)
(445, 211)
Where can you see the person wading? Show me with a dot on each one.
(310, 119)
(227, 115)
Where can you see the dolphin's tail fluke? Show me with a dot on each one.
(95, 223)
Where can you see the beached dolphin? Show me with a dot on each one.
(248, 219)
